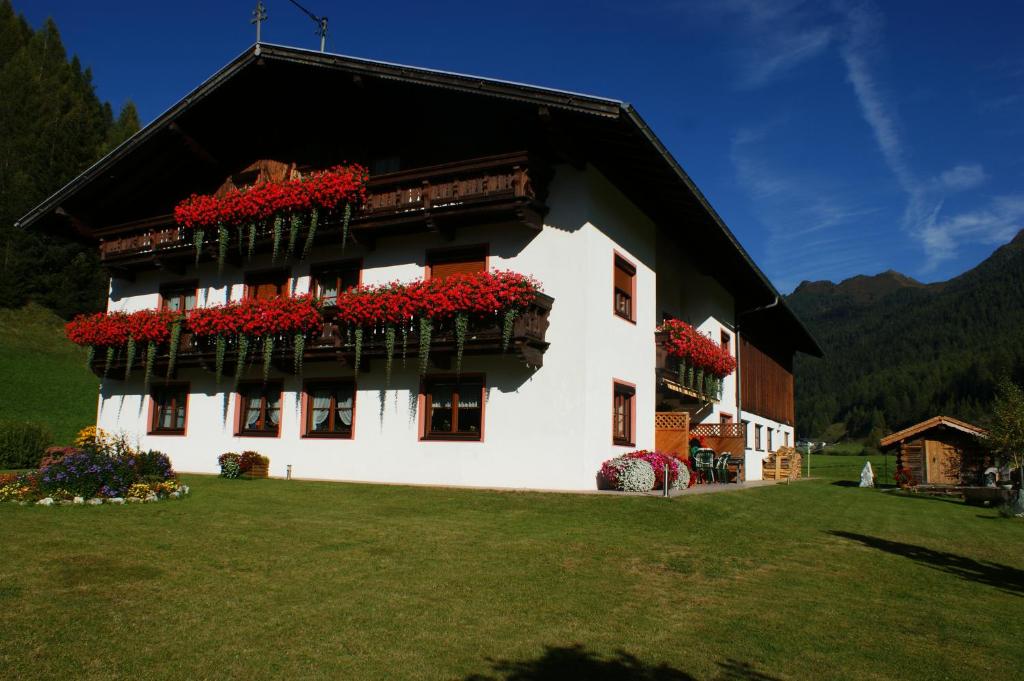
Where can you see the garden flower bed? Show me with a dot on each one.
(644, 471)
(99, 469)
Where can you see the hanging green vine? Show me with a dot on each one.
(461, 327)
(689, 375)
(90, 355)
(110, 360)
(425, 329)
(243, 350)
(346, 218)
(300, 348)
(173, 344)
(240, 232)
(150, 361)
(359, 347)
(389, 351)
(294, 225)
(130, 359)
(405, 340)
(682, 374)
(277, 237)
(221, 346)
(252, 239)
(268, 354)
(507, 326)
(222, 247)
(314, 218)
(197, 240)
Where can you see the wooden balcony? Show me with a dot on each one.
(528, 344)
(510, 188)
(669, 378)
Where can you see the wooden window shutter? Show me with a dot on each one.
(624, 273)
(466, 261)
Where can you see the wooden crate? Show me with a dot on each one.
(258, 470)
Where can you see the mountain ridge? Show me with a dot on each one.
(899, 351)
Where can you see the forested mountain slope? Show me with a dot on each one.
(899, 351)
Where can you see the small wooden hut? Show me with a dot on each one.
(940, 451)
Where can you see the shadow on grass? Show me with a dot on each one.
(1003, 577)
(929, 497)
(576, 662)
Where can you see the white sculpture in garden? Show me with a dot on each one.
(867, 476)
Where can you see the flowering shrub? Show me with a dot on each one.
(248, 459)
(91, 435)
(103, 469)
(611, 470)
(683, 478)
(229, 465)
(636, 475)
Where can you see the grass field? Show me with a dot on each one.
(271, 579)
(44, 377)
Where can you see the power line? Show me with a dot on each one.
(321, 23)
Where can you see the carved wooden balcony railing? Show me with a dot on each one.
(441, 198)
(668, 374)
(334, 344)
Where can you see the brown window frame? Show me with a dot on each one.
(758, 440)
(253, 280)
(156, 410)
(628, 268)
(727, 341)
(624, 403)
(457, 254)
(242, 404)
(307, 421)
(725, 418)
(317, 275)
(179, 290)
(426, 395)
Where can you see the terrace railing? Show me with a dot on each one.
(442, 198)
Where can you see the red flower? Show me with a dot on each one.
(686, 343)
(325, 190)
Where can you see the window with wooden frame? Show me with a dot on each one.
(330, 408)
(453, 408)
(786, 436)
(259, 409)
(266, 285)
(328, 280)
(725, 418)
(623, 413)
(468, 260)
(757, 438)
(768, 439)
(624, 288)
(727, 342)
(170, 409)
(178, 297)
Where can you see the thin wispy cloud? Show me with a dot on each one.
(995, 223)
(786, 33)
(808, 223)
(779, 35)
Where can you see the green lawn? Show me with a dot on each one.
(272, 579)
(44, 377)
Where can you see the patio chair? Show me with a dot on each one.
(705, 462)
(722, 467)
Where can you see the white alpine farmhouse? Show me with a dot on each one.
(465, 175)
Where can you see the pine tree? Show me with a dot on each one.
(51, 128)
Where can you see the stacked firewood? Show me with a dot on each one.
(782, 464)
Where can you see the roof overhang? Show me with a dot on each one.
(660, 185)
(934, 422)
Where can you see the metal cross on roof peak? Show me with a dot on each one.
(259, 15)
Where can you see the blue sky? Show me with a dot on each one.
(835, 138)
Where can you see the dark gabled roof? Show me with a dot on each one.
(934, 422)
(639, 156)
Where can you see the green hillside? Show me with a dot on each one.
(43, 377)
(899, 351)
